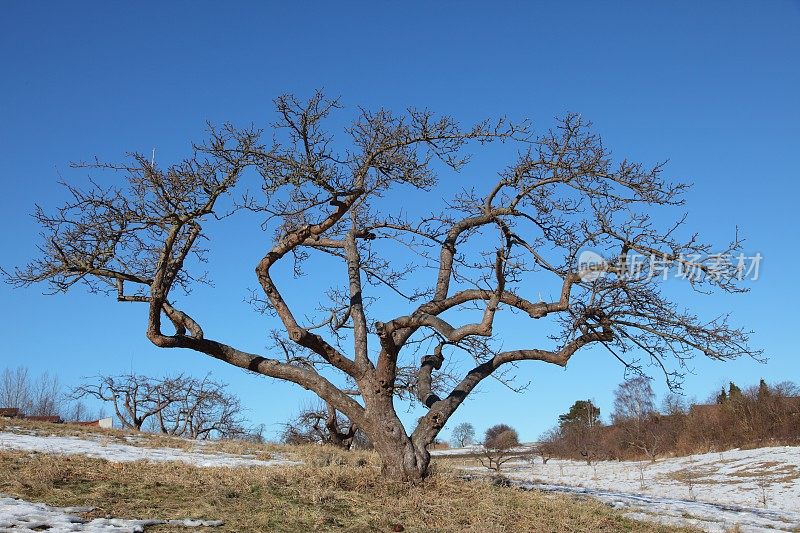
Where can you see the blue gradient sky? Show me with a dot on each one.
(713, 86)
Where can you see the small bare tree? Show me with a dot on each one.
(181, 406)
(135, 398)
(199, 409)
(320, 424)
(499, 446)
(463, 434)
(46, 396)
(634, 399)
(549, 444)
(15, 389)
(350, 197)
(40, 396)
(77, 411)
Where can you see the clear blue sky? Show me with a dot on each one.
(713, 86)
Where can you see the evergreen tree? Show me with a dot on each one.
(722, 397)
(763, 390)
(734, 392)
(583, 413)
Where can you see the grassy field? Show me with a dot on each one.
(332, 490)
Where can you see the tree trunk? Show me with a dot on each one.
(401, 461)
(401, 458)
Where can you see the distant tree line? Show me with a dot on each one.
(41, 396)
(756, 416)
(181, 406)
(639, 429)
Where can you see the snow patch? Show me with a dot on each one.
(121, 453)
(26, 517)
(758, 489)
(713, 517)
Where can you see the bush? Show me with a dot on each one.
(501, 437)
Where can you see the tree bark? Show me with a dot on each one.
(401, 460)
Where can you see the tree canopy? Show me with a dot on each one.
(342, 196)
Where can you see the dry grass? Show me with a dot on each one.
(693, 475)
(334, 490)
(772, 471)
(765, 471)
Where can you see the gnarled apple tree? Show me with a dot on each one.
(489, 249)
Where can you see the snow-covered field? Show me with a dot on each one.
(96, 447)
(20, 516)
(755, 489)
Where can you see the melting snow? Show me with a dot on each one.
(25, 517)
(758, 490)
(121, 453)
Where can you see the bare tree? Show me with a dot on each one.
(15, 389)
(40, 396)
(320, 424)
(634, 399)
(463, 434)
(499, 446)
(135, 398)
(350, 198)
(181, 405)
(674, 404)
(46, 396)
(77, 411)
(549, 444)
(635, 414)
(199, 409)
